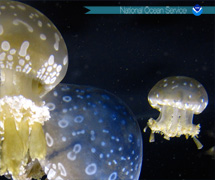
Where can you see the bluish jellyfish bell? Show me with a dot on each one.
(91, 135)
(70, 131)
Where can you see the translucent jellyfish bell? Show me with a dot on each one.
(177, 98)
(91, 135)
(33, 53)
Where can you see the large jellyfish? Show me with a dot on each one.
(92, 135)
(177, 98)
(70, 131)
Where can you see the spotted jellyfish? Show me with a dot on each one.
(68, 131)
(177, 98)
(92, 135)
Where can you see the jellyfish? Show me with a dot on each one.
(92, 135)
(177, 98)
(67, 131)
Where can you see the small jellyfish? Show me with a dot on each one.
(177, 98)
(89, 134)
(92, 134)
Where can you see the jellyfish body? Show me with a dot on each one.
(92, 134)
(177, 98)
(33, 60)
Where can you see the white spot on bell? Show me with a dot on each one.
(57, 40)
(91, 169)
(42, 36)
(64, 139)
(62, 169)
(21, 62)
(18, 21)
(49, 140)
(12, 6)
(54, 166)
(10, 57)
(112, 176)
(65, 60)
(51, 60)
(12, 51)
(49, 69)
(79, 119)
(165, 85)
(199, 86)
(59, 68)
(27, 57)
(71, 156)
(51, 174)
(77, 148)
(39, 23)
(51, 106)
(24, 48)
(21, 7)
(2, 56)
(67, 98)
(5, 45)
(63, 123)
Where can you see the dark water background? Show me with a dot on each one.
(127, 55)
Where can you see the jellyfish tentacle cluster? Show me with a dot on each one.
(68, 131)
(177, 98)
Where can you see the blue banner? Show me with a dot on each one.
(147, 9)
